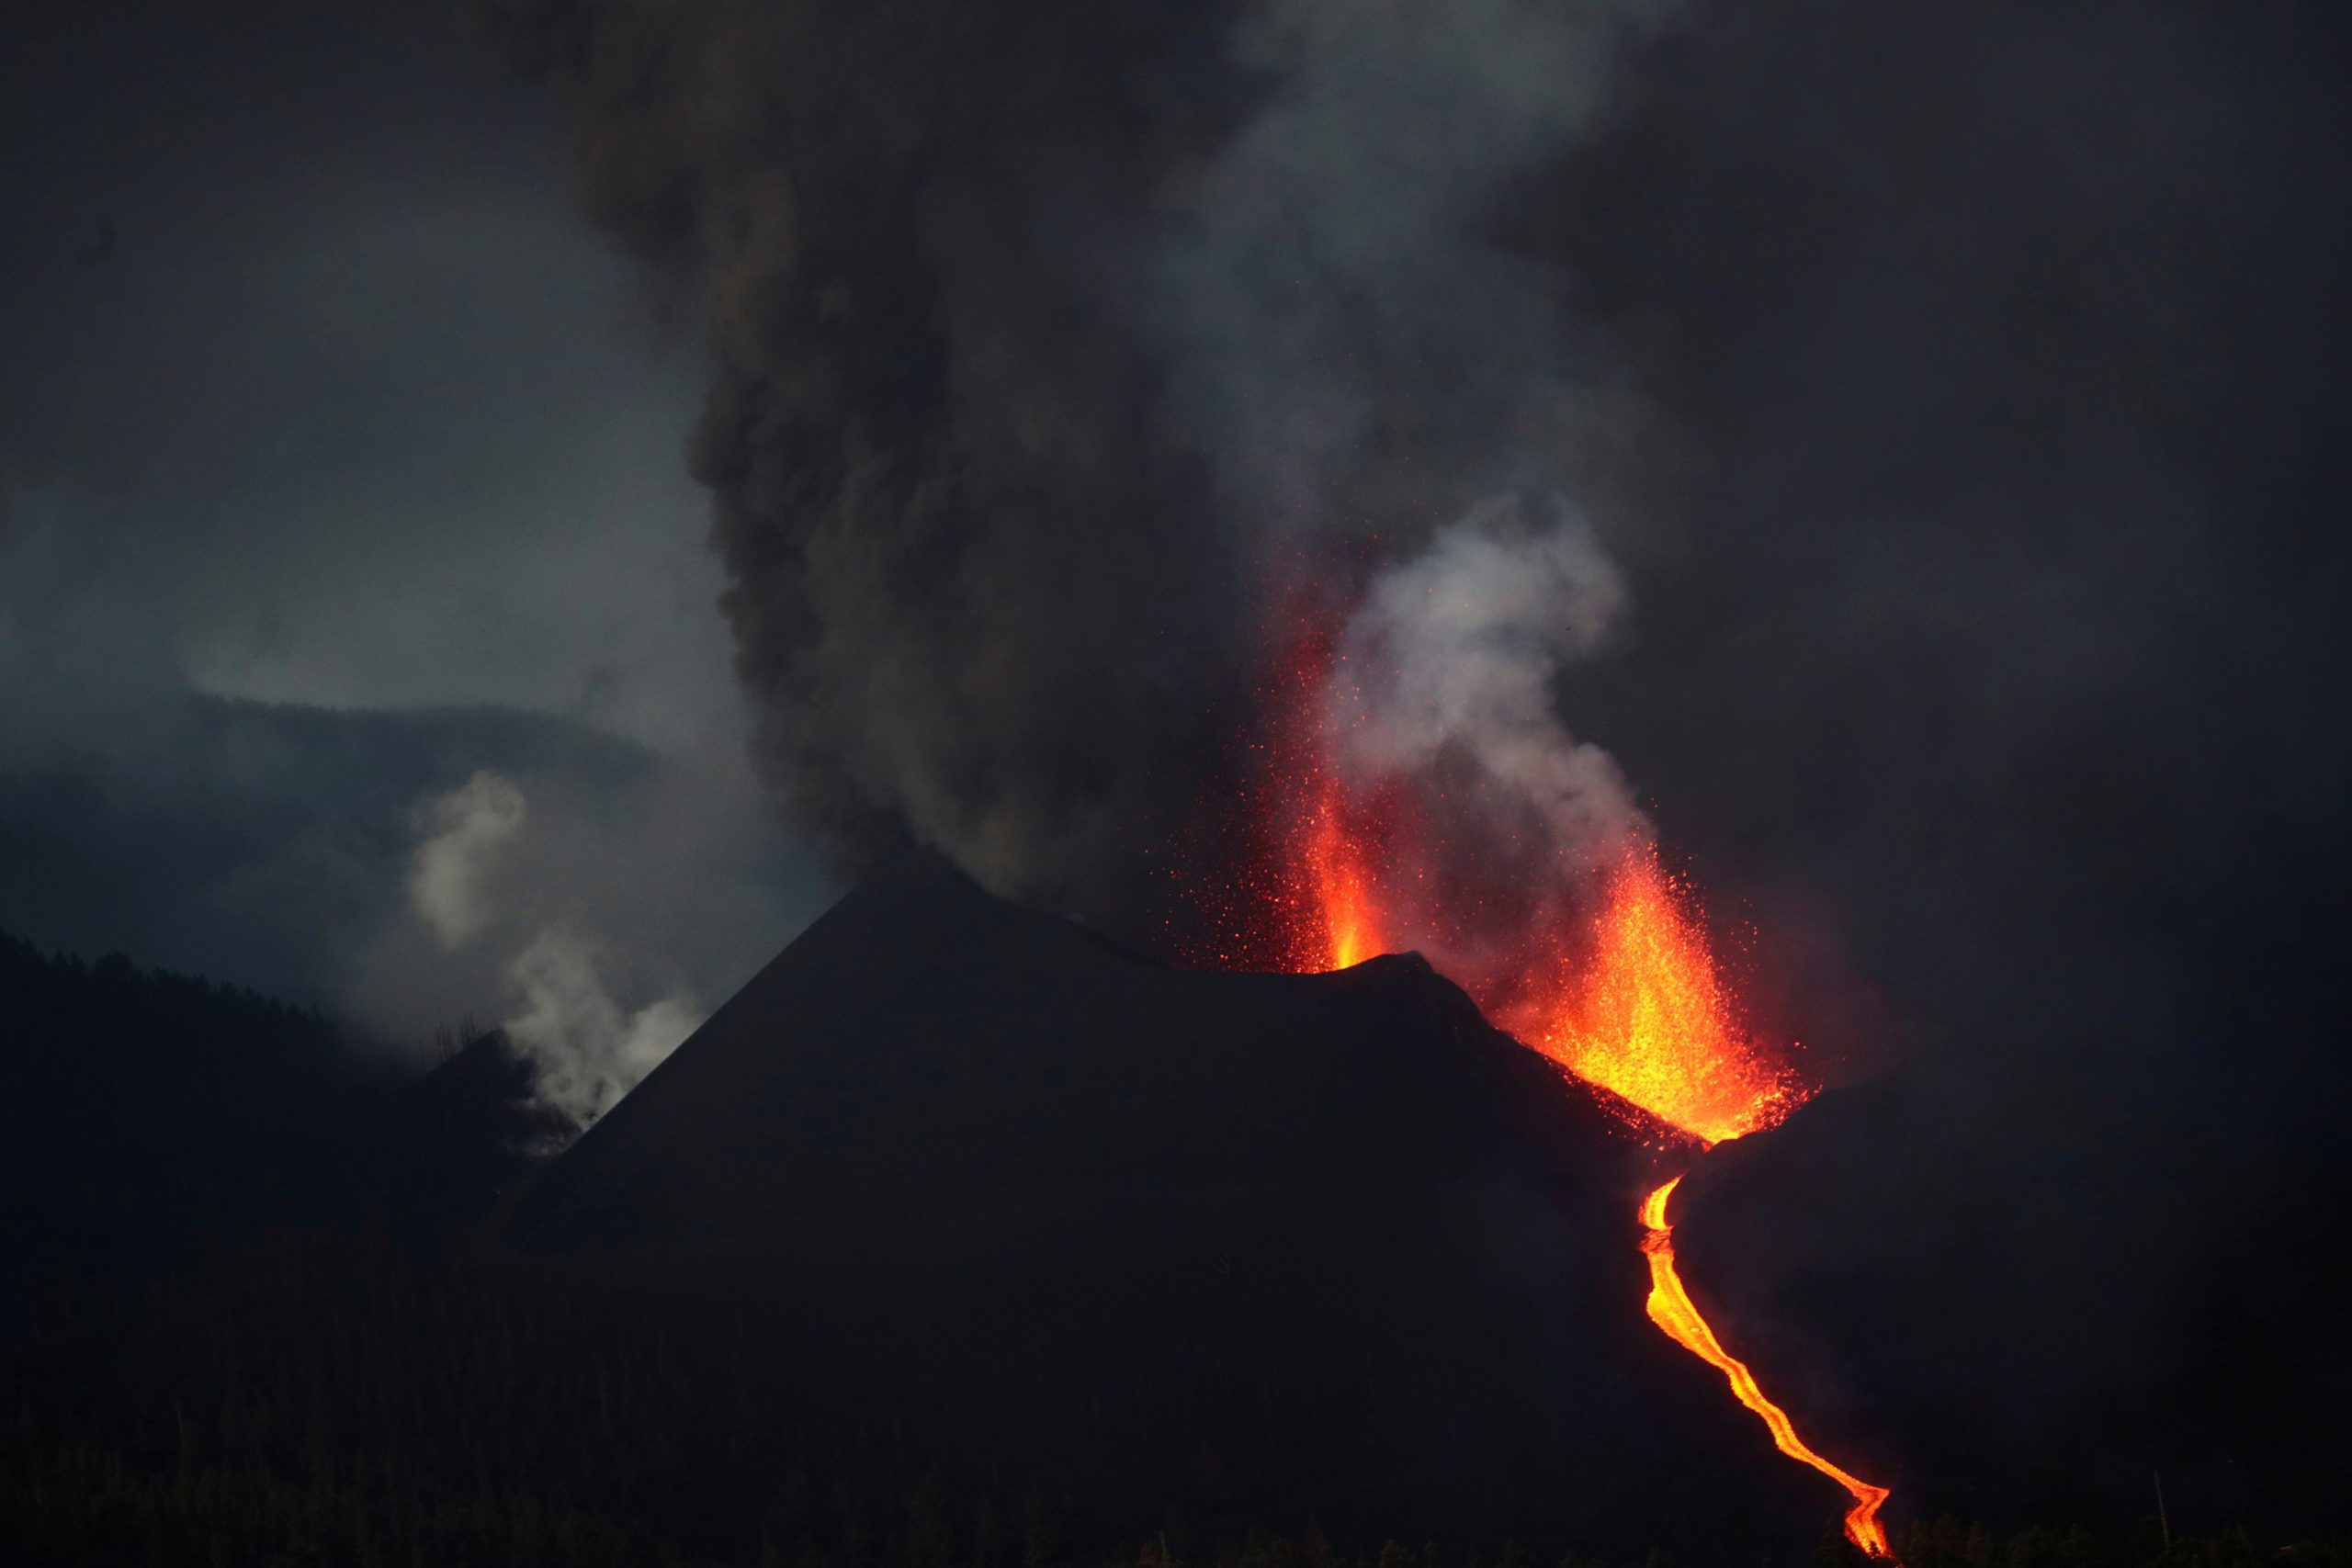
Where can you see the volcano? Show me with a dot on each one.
(1277, 1247)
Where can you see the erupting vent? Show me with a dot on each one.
(1630, 1000)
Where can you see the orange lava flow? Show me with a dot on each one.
(1670, 1308)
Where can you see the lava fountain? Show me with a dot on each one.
(1646, 1015)
(1631, 1000)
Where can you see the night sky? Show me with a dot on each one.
(506, 509)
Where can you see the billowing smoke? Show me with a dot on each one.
(475, 881)
(1990, 605)
(1459, 651)
(1050, 334)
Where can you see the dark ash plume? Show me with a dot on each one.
(1045, 332)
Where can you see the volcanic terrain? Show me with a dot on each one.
(1256, 1245)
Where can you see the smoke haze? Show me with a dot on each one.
(1895, 448)
(586, 1050)
(465, 828)
(339, 463)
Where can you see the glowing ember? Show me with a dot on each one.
(1312, 898)
(1631, 1000)
(1671, 1309)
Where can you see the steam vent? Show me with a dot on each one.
(1235, 1242)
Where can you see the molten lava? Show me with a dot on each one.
(1631, 1000)
(1670, 1308)
(1311, 898)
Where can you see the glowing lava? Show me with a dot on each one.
(1651, 1021)
(1311, 898)
(1343, 888)
(1645, 1015)
(1671, 1310)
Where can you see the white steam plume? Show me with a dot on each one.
(588, 1051)
(472, 882)
(1456, 651)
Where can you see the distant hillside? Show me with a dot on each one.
(149, 1112)
(146, 1108)
(449, 1142)
(258, 840)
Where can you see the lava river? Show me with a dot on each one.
(1630, 999)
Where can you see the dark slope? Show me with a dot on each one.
(931, 1075)
(1261, 1245)
(449, 1143)
(2036, 1287)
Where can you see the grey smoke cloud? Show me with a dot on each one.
(349, 471)
(586, 1050)
(1349, 343)
(1958, 388)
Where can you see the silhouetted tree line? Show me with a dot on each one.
(327, 1399)
(323, 1397)
(150, 1115)
(147, 1111)
(1951, 1543)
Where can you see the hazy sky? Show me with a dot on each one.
(319, 392)
(353, 406)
